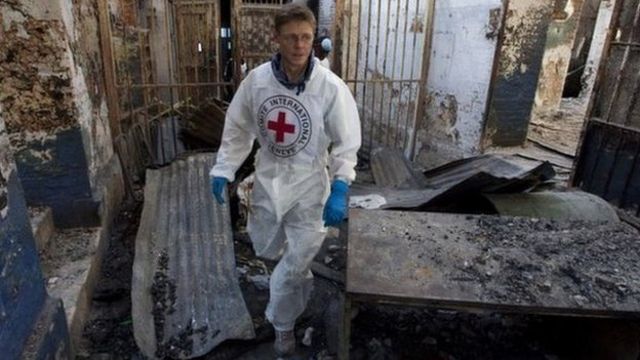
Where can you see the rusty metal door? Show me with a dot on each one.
(197, 40)
(383, 54)
(158, 56)
(253, 23)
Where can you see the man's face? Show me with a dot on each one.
(295, 39)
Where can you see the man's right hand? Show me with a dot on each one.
(218, 185)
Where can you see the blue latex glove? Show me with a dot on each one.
(335, 210)
(218, 185)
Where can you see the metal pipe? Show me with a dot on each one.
(375, 70)
(404, 54)
(169, 49)
(364, 90)
(621, 43)
(424, 75)
(374, 81)
(177, 85)
(393, 71)
(411, 113)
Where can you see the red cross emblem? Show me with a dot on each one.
(281, 127)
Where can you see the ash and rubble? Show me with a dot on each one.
(382, 331)
(402, 332)
(597, 262)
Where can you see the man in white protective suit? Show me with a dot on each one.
(297, 110)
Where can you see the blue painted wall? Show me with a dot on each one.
(22, 291)
(62, 182)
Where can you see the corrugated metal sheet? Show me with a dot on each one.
(185, 294)
(167, 144)
(453, 181)
(609, 164)
(563, 206)
(391, 169)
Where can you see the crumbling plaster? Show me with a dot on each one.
(555, 63)
(7, 166)
(51, 77)
(524, 18)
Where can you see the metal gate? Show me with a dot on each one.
(253, 24)
(198, 44)
(383, 54)
(158, 56)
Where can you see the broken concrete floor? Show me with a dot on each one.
(378, 331)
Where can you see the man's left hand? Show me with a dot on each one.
(335, 210)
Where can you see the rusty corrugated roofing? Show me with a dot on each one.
(185, 293)
(391, 169)
(457, 179)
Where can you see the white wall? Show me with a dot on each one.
(462, 59)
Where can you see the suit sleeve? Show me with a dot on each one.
(343, 128)
(238, 134)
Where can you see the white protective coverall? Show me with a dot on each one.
(293, 171)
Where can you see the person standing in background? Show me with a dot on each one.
(323, 48)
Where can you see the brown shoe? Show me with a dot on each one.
(285, 343)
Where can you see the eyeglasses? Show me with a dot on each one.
(294, 38)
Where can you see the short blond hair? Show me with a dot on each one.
(294, 12)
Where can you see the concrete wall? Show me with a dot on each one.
(55, 106)
(462, 57)
(519, 64)
(32, 325)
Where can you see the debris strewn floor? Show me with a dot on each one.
(378, 331)
(558, 129)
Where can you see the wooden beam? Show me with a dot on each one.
(422, 87)
(109, 67)
(337, 38)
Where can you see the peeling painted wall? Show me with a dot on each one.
(516, 80)
(51, 83)
(22, 292)
(464, 45)
(88, 87)
(555, 63)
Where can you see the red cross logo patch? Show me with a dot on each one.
(284, 124)
(281, 127)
